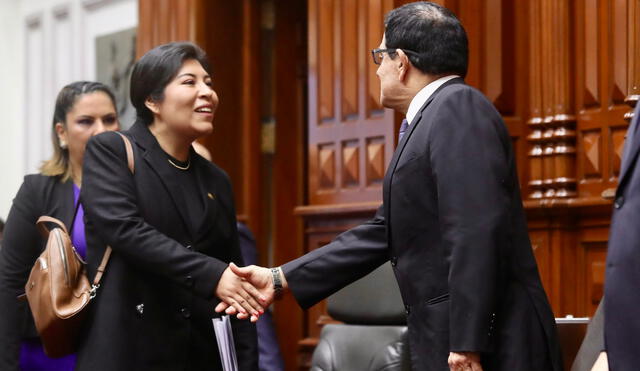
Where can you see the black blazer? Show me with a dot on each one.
(22, 244)
(453, 227)
(621, 290)
(156, 302)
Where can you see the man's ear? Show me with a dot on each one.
(152, 106)
(403, 65)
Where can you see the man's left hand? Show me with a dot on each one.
(464, 361)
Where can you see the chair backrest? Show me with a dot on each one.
(362, 348)
(373, 336)
(372, 300)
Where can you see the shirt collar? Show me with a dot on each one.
(424, 94)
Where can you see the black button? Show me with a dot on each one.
(189, 281)
(394, 261)
(189, 247)
(186, 313)
(619, 202)
(407, 309)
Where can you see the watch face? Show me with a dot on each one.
(277, 283)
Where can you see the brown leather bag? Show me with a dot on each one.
(58, 289)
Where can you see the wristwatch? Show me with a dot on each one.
(277, 282)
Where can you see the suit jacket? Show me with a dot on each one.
(453, 227)
(156, 302)
(622, 297)
(22, 244)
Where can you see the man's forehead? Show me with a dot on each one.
(383, 43)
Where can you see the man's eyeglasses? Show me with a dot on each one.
(377, 54)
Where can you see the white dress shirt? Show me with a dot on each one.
(418, 101)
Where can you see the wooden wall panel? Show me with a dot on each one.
(289, 162)
(542, 250)
(552, 138)
(325, 59)
(348, 59)
(590, 30)
(350, 136)
(591, 264)
(602, 31)
(161, 21)
(344, 114)
(374, 28)
(620, 29)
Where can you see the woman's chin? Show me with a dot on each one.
(203, 128)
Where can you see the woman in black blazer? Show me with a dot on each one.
(82, 109)
(171, 225)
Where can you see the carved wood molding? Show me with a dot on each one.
(552, 154)
(337, 209)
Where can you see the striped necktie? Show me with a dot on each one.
(403, 129)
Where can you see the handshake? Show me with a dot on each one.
(247, 291)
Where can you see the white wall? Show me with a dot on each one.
(49, 43)
(11, 92)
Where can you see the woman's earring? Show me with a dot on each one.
(63, 144)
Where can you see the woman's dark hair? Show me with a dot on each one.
(433, 33)
(153, 72)
(58, 164)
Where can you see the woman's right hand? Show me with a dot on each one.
(240, 294)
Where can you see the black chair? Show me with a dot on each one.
(374, 334)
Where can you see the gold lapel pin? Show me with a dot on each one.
(211, 196)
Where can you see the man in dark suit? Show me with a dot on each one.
(451, 222)
(621, 292)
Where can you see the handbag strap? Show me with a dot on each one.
(129, 149)
(107, 251)
(42, 225)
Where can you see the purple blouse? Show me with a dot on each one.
(77, 235)
(32, 357)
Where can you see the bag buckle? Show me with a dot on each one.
(93, 291)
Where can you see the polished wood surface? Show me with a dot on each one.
(351, 138)
(162, 21)
(289, 160)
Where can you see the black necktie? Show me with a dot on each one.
(403, 129)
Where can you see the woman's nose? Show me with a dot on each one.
(99, 127)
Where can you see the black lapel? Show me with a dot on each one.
(208, 193)
(157, 159)
(396, 154)
(67, 207)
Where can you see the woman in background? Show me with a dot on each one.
(83, 109)
(171, 226)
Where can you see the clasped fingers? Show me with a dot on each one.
(240, 295)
